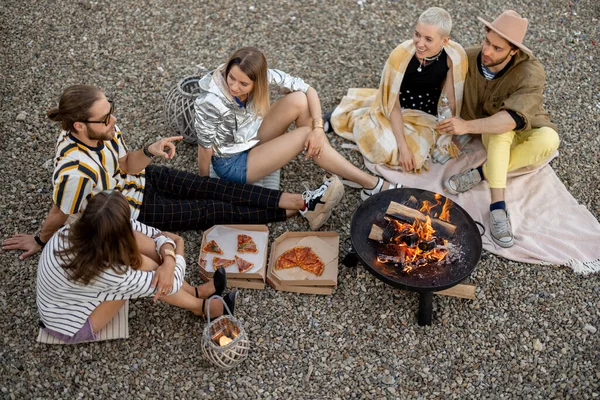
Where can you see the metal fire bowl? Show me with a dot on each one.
(430, 278)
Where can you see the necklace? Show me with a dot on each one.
(428, 60)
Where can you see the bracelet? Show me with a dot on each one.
(39, 241)
(147, 152)
(318, 123)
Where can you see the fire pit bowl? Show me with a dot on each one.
(466, 248)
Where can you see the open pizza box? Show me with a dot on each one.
(326, 247)
(226, 236)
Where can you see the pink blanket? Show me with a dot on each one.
(549, 225)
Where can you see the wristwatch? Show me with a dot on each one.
(147, 152)
(39, 241)
(169, 252)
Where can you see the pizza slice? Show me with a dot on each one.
(212, 247)
(203, 262)
(301, 253)
(313, 263)
(221, 262)
(316, 268)
(283, 263)
(246, 244)
(242, 264)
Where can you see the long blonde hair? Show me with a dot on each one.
(253, 63)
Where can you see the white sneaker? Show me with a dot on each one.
(500, 228)
(321, 201)
(367, 193)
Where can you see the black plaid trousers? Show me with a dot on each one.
(178, 200)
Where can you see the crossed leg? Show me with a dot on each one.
(276, 149)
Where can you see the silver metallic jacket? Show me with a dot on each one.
(224, 126)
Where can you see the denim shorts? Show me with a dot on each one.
(234, 168)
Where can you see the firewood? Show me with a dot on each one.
(408, 214)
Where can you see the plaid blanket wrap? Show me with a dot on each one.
(363, 116)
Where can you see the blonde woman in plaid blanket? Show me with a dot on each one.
(395, 124)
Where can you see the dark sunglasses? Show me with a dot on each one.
(106, 119)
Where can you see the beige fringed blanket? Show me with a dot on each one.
(549, 225)
(363, 116)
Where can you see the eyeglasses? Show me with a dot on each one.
(106, 119)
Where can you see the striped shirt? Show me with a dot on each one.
(81, 172)
(64, 305)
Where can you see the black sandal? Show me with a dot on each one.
(220, 281)
(229, 299)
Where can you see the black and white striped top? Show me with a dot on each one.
(64, 305)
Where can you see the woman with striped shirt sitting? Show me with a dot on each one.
(90, 268)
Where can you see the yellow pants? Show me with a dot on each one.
(513, 150)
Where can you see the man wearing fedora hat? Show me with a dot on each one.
(503, 102)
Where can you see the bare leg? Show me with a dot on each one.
(147, 246)
(274, 154)
(183, 299)
(204, 290)
(497, 194)
(276, 149)
(104, 313)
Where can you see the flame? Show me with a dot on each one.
(445, 215)
(412, 255)
(427, 206)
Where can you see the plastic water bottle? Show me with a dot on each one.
(444, 110)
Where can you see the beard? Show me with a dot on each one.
(495, 63)
(92, 135)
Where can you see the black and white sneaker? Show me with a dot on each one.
(327, 122)
(321, 201)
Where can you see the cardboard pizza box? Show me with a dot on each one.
(226, 238)
(324, 244)
(300, 289)
(240, 283)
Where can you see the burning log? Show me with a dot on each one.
(408, 214)
(426, 245)
(390, 253)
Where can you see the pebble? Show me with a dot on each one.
(537, 345)
(590, 328)
(22, 116)
(137, 53)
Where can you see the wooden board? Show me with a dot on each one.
(463, 291)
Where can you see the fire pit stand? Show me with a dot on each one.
(466, 241)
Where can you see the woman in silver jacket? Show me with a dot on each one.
(243, 135)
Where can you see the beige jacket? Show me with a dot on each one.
(518, 87)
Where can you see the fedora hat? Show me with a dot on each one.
(511, 27)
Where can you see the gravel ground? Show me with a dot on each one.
(531, 332)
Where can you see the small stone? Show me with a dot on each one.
(388, 380)
(590, 328)
(537, 345)
(22, 116)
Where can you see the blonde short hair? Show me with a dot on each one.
(438, 17)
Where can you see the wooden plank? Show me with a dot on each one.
(463, 291)
(376, 233)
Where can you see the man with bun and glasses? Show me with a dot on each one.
(91, 157)
(503, 102)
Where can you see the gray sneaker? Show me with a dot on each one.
(321, 201)
(501, 229)
(462, 182)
